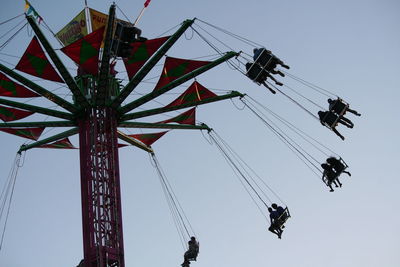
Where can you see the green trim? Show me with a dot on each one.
(80, 98)
(146, 98)
(156, 111)
(54, 113)
(49, 140)
(38, 89)
(128, 124)
(38, 124)
(125, 92)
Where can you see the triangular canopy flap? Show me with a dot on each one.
(85, 51)
(187, 117)
(30, 133)
(196, 92)
(60, 144)
(141, 52)
(13, 89)
(149, 138)
(121, 145)
(35, 62)
(177, 67)
(13, 114)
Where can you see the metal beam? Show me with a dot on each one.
(156, 111)
(134, 142)
(40, 90)
(146, 98)
(38, 124)
(49, 140)
(100, 96)
(54, 113)
(79, 96)
(128, 124)
(125, 92)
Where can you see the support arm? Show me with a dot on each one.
(156, 111)
(150, 64)
(128, 124)
(38, 124)
(80, 98)
(54, 113)
(49, 140)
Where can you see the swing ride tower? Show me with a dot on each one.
(95, 115)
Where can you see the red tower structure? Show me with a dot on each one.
(95, 115)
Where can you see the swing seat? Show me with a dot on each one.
(344, 166)
(330, 120)
(256, 74)
(340, 107)
(264, 59)
(283, 218)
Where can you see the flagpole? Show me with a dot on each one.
(146, 4)
(88, 19)
(140, 15)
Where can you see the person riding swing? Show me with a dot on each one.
(192, 252)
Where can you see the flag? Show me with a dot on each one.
(148, 139)
(187, 117)
(30, 133)
(146, 4)
(11, 89)
(141, 52)
(35, 62)
(85, 51)
(196, 92)
(30, 10)
(177, 67)
(13, 114)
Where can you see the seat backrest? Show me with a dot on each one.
(330, 119)
(264, 58)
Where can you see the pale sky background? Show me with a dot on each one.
(349, 47)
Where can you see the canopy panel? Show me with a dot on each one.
(13, 89)
(85, 51)
(141, 52)
(35, 62)
(13, 114)
(61, 144)
(30, 133)
(188, 117)
(196, 92)
(177, 67)
(148, 138)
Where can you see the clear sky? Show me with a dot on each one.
(348, 47)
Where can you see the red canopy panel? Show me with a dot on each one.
(60, 144)
(35, 62)
(13, 114)
(188, 117)
(195, 93)
(85, 51)
(177, 67)
(141, 52)
(30, 133)
(13, 89)
(149, 138)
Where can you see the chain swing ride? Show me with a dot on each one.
(101, 106)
